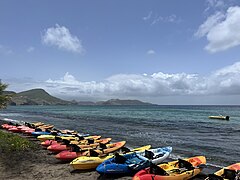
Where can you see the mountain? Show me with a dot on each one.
(41, 97)
(119, 102)
(36, 97)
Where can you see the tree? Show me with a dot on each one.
(4, 98)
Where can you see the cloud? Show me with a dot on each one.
(159, 85)
(227, 80)
(30, 49)
(222, 30)
(148, 16)
(167, 19)
(150, 52)
(222, 81)
(155, 19)
(209, 24)
(63, 39)
(215, 5)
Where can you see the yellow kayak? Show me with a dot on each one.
(52, 137)
(230, 172)
(66, 137)
(175, 170)
(86, 162)
(219, 117)
(70, 138)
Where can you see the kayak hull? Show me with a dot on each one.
(172, 168)
(85, 162)
(133, 162)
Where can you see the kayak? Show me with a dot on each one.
(175, 170)
(91, 162)
(58, 140)
(71, 155)
(219, 117)
(42, 130)
(131, 163)
(38, 133)
(7, 126)
(230, 172)
(52, 137)
(56, 148)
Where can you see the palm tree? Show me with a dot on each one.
(4, 99)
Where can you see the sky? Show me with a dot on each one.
(163, 52)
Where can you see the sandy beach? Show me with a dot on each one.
(40, 164)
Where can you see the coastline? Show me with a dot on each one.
(40, 164)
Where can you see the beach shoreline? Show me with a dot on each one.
(40, 164)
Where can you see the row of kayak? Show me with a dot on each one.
(86, 152)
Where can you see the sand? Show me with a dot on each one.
(41, 164)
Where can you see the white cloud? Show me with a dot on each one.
(159, 85)
(151, 52)
(148, 16)
(30, 49)
(222, 30)
(155, 19)
(167, 19)
(63, 39)
(210, 23)
(215, 5)
(223, 81)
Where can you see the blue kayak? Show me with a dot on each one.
(133, 162)
(38, 133)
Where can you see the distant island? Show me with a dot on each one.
(41, 97)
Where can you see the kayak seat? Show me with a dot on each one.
(79, 137)
(75, 148)
(214, 177)
(229, 174)
(102, 146)
(125, 150)
(149, 154)
(58, 138)
(119, 159)
(158, 155)
(66, 142)
(154, 169)
(54, 133)
(90, 141)
(185, 164)
(38, 130)
(93, 153)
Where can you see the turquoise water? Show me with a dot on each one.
(186, 128)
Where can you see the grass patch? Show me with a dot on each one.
(12, 143)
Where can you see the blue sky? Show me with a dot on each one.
(165, 52)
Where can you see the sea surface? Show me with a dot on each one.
(186, 128)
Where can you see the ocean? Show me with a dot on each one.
(186, 128)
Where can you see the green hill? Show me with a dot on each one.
(119, 102)
(36, 97)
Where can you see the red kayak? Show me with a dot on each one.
(49, 143)
(69, 155)
(29, 131)
(15, 129)
(7, 126)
